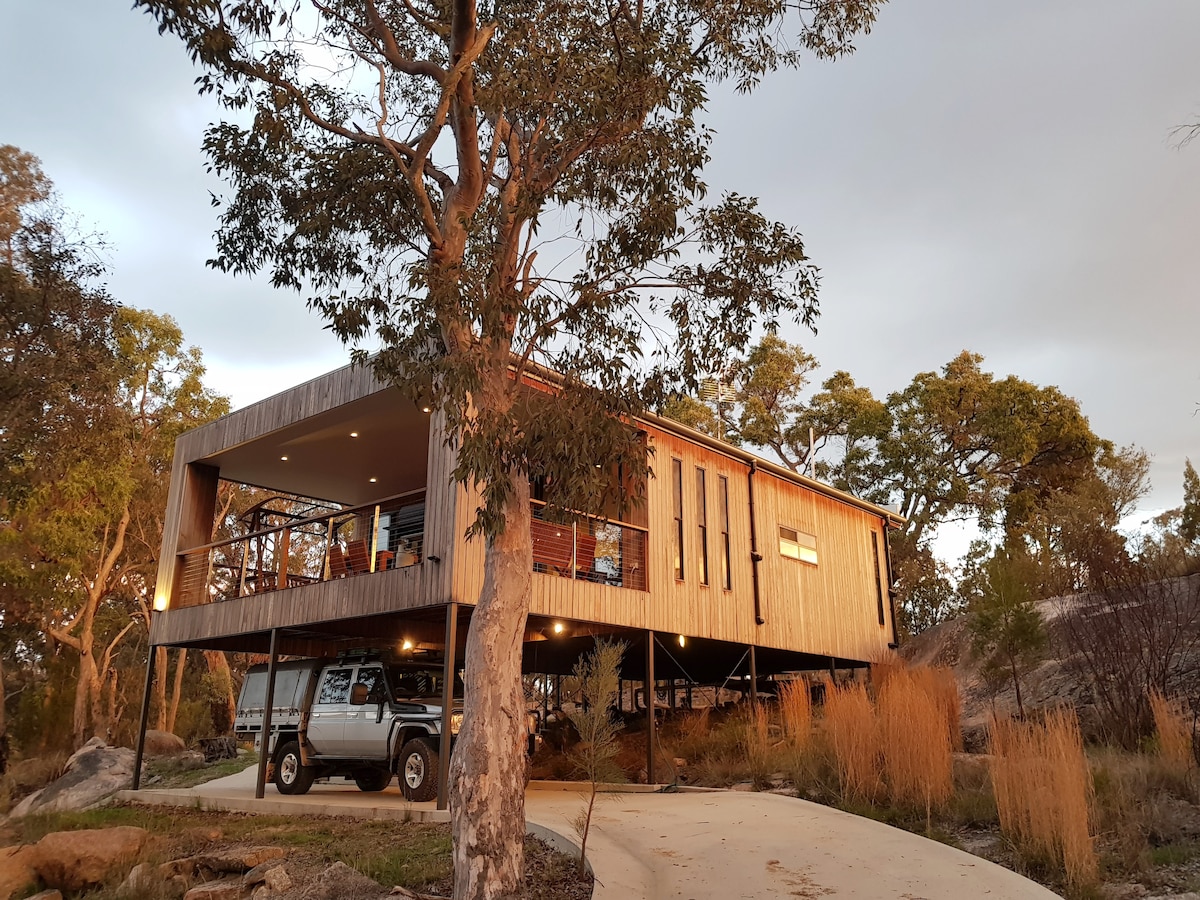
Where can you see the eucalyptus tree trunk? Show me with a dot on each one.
(487, 771)
(177, 689)
(224, 707)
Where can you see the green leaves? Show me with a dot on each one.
(415, 169)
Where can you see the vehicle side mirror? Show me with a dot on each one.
(358, 695)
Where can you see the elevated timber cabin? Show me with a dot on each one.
(734, 568)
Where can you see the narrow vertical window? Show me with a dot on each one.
(702, 522)
(878, 576)
(723, 501)
(677, 503)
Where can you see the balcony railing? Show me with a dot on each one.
(390, 535)
(361, 540)
(603, 552)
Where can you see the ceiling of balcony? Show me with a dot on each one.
(321, 457)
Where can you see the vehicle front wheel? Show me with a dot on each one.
(291, 775)
(418, 770)
(372, 780)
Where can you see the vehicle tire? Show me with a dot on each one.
(372, 780)
(291, 775)
(418, 771)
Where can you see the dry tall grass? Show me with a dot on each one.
(757, 739)
(942, 687)
(795, 711)
(1044, 791)
(853, 738)
(914, 742)
(1174, 730)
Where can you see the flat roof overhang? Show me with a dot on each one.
(372, 447)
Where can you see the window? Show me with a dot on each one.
(336, 686)
(878, 576)
(677, 503)
(723, 501)
(797, 545)
(702, 521)
(372, 677)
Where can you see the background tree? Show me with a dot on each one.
(83, 540)
(22, 185)
(407, 195)
(1007, 629)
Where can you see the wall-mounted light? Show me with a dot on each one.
(354, 434)
(426, 409)
(682, 641)
(372, 480)
(160, 602)
(283, 459)
(406, 645)
(559, 627)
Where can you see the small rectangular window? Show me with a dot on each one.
(702, 522)
(677, 505)
(726, 575)
(797, 545)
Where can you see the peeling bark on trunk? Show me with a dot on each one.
(160, 688)
(487, 771)
(224, 708)
(176, 689)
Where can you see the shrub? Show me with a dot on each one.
(1044, 791)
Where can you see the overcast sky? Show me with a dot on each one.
(991, 176)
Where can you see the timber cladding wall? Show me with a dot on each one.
(829, 608)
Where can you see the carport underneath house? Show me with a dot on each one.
(674, 664)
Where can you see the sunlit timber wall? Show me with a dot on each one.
(823, 582)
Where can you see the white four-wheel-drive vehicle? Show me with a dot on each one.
(357, 717)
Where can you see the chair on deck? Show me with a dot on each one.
(551, 546)
(358, 557)
(338, 567)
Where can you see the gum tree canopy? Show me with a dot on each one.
(475, 184)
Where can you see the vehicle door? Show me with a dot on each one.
(366, 731)
(331, 706)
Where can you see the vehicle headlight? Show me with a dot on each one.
(455, 722)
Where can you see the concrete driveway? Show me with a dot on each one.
(710, 845)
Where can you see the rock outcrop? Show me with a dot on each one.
(94, 773)
(77, 860)
(16, 871)
(163, 743)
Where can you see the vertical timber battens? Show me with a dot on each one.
(449, 666)
(260, 783)
(141, 742)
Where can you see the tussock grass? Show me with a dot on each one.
(850, 729)
(1173, 729)
(914, 742)
(795, 713)
(942, 688)
(1044, 792)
